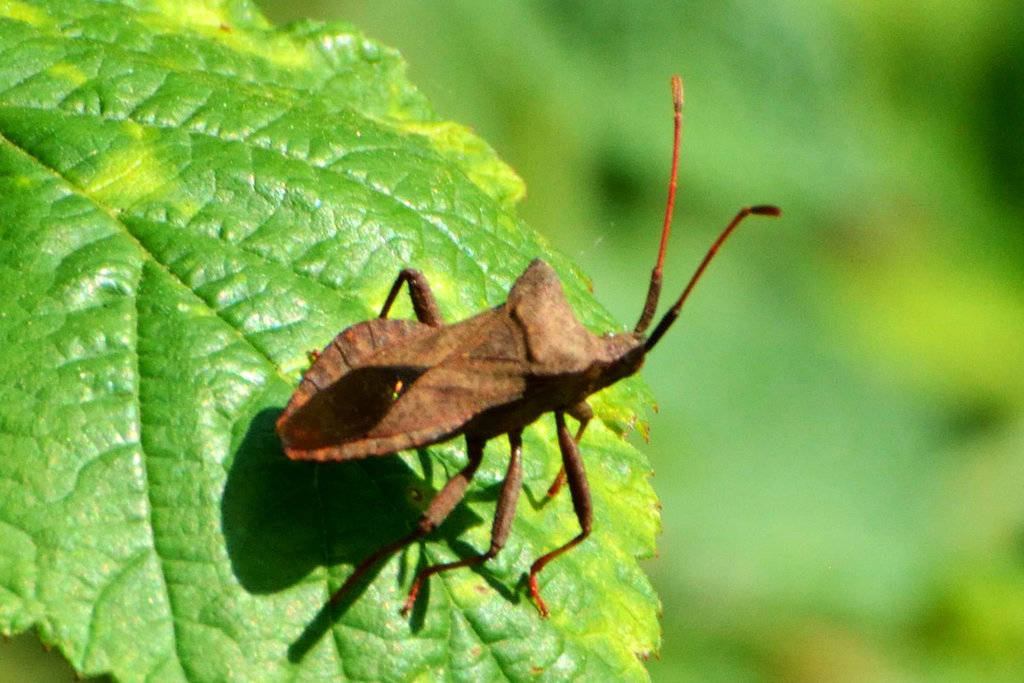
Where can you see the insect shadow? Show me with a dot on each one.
(283, 519)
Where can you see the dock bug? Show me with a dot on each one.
(386, 385)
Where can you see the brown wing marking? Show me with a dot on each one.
(348, 352)
(432, 408)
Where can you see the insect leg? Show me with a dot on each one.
(423, 302)
(582, 412)
(503, 516)
(580, 490)
(439, 508)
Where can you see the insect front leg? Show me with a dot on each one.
(582, 412)
(503, 516)
(575, 475)
(438, 509)
(423, 302)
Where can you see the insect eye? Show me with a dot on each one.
(397, 391)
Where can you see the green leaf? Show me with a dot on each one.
(191, 201)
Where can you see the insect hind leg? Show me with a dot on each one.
(503, 517)
(582, 412)
(580, 490)
(423, 302)
(438, 509)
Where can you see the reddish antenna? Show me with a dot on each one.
(673, 313)
(654, 291)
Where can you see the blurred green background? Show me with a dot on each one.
(840, 443)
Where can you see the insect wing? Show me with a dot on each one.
(387, 385)
(439, 403)
(343, 395)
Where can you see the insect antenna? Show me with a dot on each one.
(673, 313)
(654, 291)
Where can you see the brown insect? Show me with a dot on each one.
(383, 386)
